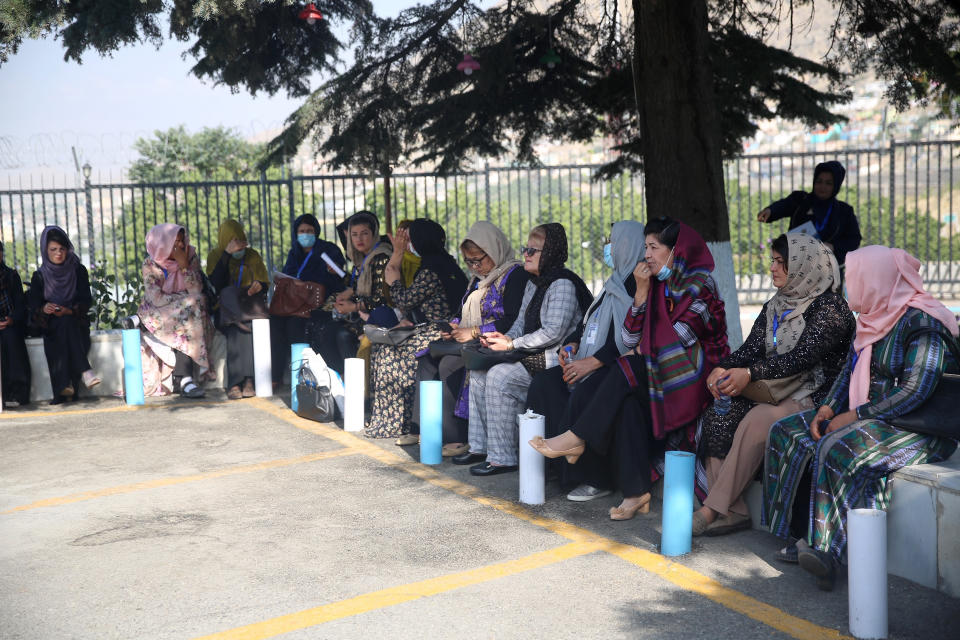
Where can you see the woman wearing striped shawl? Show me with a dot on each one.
(848, 445)
(650, 400)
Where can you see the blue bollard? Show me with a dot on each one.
(677, 525)
(296, 355)
(431, 422)
(132, 367)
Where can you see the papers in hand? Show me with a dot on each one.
(333, 265)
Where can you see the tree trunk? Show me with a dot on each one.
(387, 211)
(680, 130)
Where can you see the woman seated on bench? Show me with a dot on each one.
(796, 349)
(174, 316)
(59, 303)
(850, 444)
(14, 362)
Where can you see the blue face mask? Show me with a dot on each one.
(238, 255)
(665, 271)
(608, 255)
(306, 240)
(412, 250)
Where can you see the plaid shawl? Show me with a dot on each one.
(676, 374)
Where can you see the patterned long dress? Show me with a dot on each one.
(849, 467)
(394, 370)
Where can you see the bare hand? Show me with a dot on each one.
(345, 306)
(642, 275)
(764, 216)
(464, 334)
(713, 379)
(180, 255)
(344, 295)
(496, 341)
(576, 370)
(841, 421)
(823, 414)
(51, 309)
(363, 316)
(255, 288)
(400, 241)
(235, 245)
(6, 322)
(574, 347)
(734, 382)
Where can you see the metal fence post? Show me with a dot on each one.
(88, 197)
(486, 187)
(265, 223)
(893, 182)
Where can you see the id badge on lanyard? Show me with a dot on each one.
(590, 335)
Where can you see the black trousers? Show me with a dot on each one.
(335, 342)
(65, 344)
(560, 407)
(14, 364)
(449, 370)
(239, 355)
(183, 365)
(284, 331)
(615, 420)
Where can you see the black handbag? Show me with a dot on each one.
(938, 415)
(442, 348)
(314, 397)
(477, 358)
(393, 336)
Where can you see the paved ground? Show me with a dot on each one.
(240, 520)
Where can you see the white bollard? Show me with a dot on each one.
(262, 359)
(867, 573)
(354, 372)
(531, 474)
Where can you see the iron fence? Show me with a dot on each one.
(906, 194)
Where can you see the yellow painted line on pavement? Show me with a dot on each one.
(168, 482)
(674, 572)
(40, 414)
(402, 593)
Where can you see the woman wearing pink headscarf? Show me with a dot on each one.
(173, 315)
(849, 445)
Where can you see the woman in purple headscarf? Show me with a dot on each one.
(59, 302)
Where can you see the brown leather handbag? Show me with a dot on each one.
(772, 391)
(292, 297)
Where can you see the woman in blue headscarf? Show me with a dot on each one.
(832, 220)
(304, 262)
(561, 393)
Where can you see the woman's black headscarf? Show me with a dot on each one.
(429, 240)
(6, 304)
(316, 269)
(822, 207)
(552, 259)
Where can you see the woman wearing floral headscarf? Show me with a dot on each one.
(651, 400)
(173, 314)
(59, 302)
(553, 304)
(800, 338)
(14, 362)
(238, 274)
(849, 444)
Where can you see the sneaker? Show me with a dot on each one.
(586, 493)
(90, 378)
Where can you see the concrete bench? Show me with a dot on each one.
(923, 524)
(106, 357)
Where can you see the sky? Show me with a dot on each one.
(102, 105)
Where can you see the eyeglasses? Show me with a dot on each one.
(529, 251)
(475, 263)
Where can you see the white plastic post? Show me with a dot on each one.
(531, 474)
(867, 573)
(262, 359)
(354, 372)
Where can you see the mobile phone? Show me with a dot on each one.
(445, 327)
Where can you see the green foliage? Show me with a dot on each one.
(215, 153)
(109, 307)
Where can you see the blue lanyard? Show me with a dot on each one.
(304, 264)
(240, 275)
(826, 219)
(853, 363)
(358, 271)
(776, 324)
(165, 275)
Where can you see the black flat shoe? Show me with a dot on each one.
(819, 564)
(487, 469)
(468, 458)
(787, 553)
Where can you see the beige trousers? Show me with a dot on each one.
(729, 477)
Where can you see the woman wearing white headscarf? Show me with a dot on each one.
(491, 303)
(560, 393)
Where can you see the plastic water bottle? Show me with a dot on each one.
(721, 406)
(569, 351)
